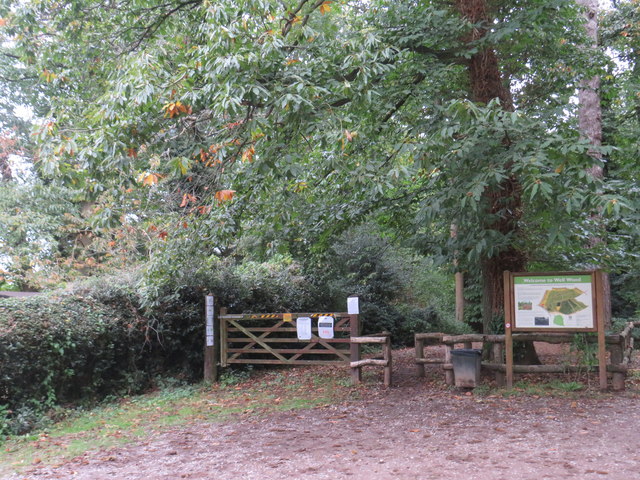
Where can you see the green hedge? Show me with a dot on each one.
(110, 335)
(63, 349)
(174, 303)
(113, 335)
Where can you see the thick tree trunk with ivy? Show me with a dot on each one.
(590, 124)
(503, 204)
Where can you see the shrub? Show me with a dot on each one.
(399, 291)
(115, 334)
(174, 304)
(59, 349)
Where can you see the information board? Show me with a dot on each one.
(563, 301)
(554, 302)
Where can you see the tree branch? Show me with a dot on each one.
(418, 78)
(153, 27)
(452, 56)
(293, 15)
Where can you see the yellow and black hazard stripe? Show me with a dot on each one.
(258, 316)
(265, 315)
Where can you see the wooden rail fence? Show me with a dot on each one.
(383, 339)
(620, 347)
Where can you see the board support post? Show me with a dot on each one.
(600, 317)
(508, 325)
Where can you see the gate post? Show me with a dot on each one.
(355, 348)
(353, 308)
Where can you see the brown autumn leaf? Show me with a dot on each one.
(325, 7)
(224, 195)
(247, 155)
(173, 109)
(149, 179)
(187, 198)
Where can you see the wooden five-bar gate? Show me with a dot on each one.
(271, 338)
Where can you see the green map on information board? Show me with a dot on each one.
(562, 300)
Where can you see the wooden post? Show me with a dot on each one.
(222, 333)
(459, 297)
(388, 367)
(508, 347)
(420, 356)
(355, 349)
(448, 374)
(210, 344)
(600, 319)
(617, 382)
(508, 325)
(498, 354)
(459, 280)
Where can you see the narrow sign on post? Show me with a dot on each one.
(210, 339)
(210, 360)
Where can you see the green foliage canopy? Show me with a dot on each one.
(245, 113)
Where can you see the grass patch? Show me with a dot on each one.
(134, 418)
(554, 387)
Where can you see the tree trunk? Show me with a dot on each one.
(589, 112)
(590, 125)
(486, 84)
(459, 280)
(5, 170)
(7, 147)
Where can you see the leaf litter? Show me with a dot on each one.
(417, 429)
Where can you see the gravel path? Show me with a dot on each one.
(411, 431)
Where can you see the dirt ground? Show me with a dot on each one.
(415, 430)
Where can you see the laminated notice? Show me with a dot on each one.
(303, 328)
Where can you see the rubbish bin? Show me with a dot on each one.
(466, 367)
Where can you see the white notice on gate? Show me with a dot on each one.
(353, 307)
(325, 327)
(303, 326)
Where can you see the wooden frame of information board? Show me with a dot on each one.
(554, 302)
